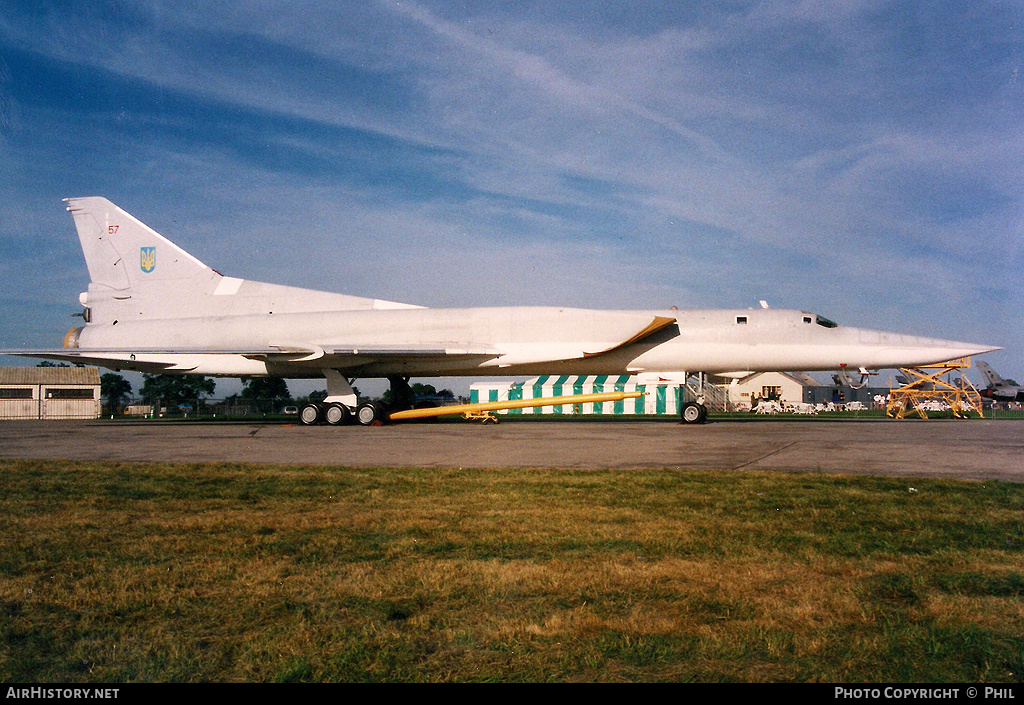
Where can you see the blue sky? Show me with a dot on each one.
(858, 159)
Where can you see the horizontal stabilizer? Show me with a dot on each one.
(159, 359)
(98, 358)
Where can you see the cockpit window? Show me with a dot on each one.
(822, 321)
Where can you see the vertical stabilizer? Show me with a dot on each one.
(992, 378)
(137, 274)
(124, 253)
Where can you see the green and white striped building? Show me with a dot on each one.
(661, 398)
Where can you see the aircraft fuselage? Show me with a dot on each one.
(508, 341)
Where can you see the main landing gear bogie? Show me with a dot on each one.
(335, 414)
(341, 407)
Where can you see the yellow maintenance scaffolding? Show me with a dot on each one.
(926, 390)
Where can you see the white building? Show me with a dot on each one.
(786, 388)
(49, 393)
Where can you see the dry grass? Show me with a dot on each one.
(161, 572)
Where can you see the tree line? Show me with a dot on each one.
(174, 391)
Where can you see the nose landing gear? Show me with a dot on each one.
(694, 413)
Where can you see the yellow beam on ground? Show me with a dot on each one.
(476, 410)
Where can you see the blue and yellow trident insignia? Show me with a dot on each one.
(147, 258)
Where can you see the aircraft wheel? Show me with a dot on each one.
(370, 414)
(336, 414)
(310, 414)
(694, 413)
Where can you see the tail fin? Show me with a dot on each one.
(124, 253)
(992, 378)
(137, 274)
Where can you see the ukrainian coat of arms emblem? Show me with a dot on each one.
(147, 259)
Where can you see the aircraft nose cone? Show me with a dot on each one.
(896, 350)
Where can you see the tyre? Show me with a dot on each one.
(336, 414)
(370, 414)
(694, 413)
(310, 414)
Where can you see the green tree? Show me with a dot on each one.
(421, 393)
(265, 392)
(116, 389)
(173, 390)
(265, 388)
(314, 397)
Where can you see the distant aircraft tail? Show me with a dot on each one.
(992, 378)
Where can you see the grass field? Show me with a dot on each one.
(173, 572)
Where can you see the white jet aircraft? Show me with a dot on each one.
(154, 308)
